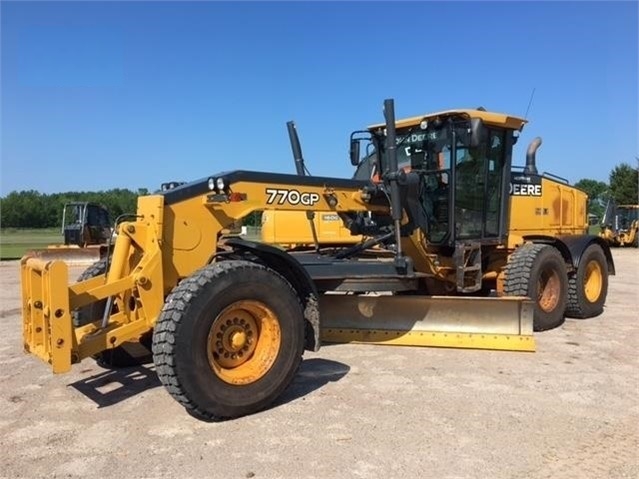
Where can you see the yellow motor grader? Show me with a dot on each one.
(227, 320)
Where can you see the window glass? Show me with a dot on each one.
(478, 187)
(494, 182)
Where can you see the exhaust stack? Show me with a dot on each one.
(296, 148)
(531, 163)
(301, 171)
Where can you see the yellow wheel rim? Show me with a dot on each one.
(593, 281)
(548, 290)
(243, 342)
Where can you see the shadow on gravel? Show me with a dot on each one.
(312, 375)
(112, 386)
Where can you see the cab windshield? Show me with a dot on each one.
(625, 216)
(429, 151)
(460, 185)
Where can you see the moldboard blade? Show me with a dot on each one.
(504, 323)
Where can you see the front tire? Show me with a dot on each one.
(87, 314)
(539, 272)
(128, 354)
(229, 339)
(588, 288)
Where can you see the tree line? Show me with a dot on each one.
(32, 209)
(622, 189)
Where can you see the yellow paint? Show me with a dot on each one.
(430, 339)
(490, 118)
(47, 331)
(560, 210)
(292, 228)
(593, 281)
(243, 342)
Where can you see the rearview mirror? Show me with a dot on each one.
(477, 132)
(354, 152)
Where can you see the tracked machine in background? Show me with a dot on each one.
(227, 320)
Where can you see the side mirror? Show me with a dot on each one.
(477, 132)
(354, 152)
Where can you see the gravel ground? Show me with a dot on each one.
(569, 410)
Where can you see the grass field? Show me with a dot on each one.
(15, 242)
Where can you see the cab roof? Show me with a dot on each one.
(488, 117)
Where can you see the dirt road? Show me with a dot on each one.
(570, 410)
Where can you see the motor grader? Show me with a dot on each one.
(227, 320)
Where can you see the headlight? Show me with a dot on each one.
(220, 184)
(211, 184)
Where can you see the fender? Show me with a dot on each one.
(572, 247)
(286, 265)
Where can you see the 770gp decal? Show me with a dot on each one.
(293, 197)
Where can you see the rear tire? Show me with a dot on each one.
(588, 288)
(229, 340)
(539, 272)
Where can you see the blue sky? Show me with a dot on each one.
(131, 94)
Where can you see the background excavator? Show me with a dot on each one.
(227, 320)
(620, 225)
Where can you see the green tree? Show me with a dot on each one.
(594, 188)
(27, 209)
(624, 184)
(598, 193)
(31, 209)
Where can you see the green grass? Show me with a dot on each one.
(15, 242)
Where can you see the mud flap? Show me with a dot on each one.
(504, 323)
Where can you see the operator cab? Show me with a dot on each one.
(457, 157)
(626, 215)
(85, 223)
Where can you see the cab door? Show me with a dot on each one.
(479, 188)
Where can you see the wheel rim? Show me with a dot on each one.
(593, 281)
(243, 342)
(548, 290)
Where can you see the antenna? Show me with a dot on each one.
(532, 94)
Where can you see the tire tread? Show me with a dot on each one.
(517, 277)
(168, 325)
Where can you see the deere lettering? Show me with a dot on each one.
(293, 197)
(413, 138)
(519, 189)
